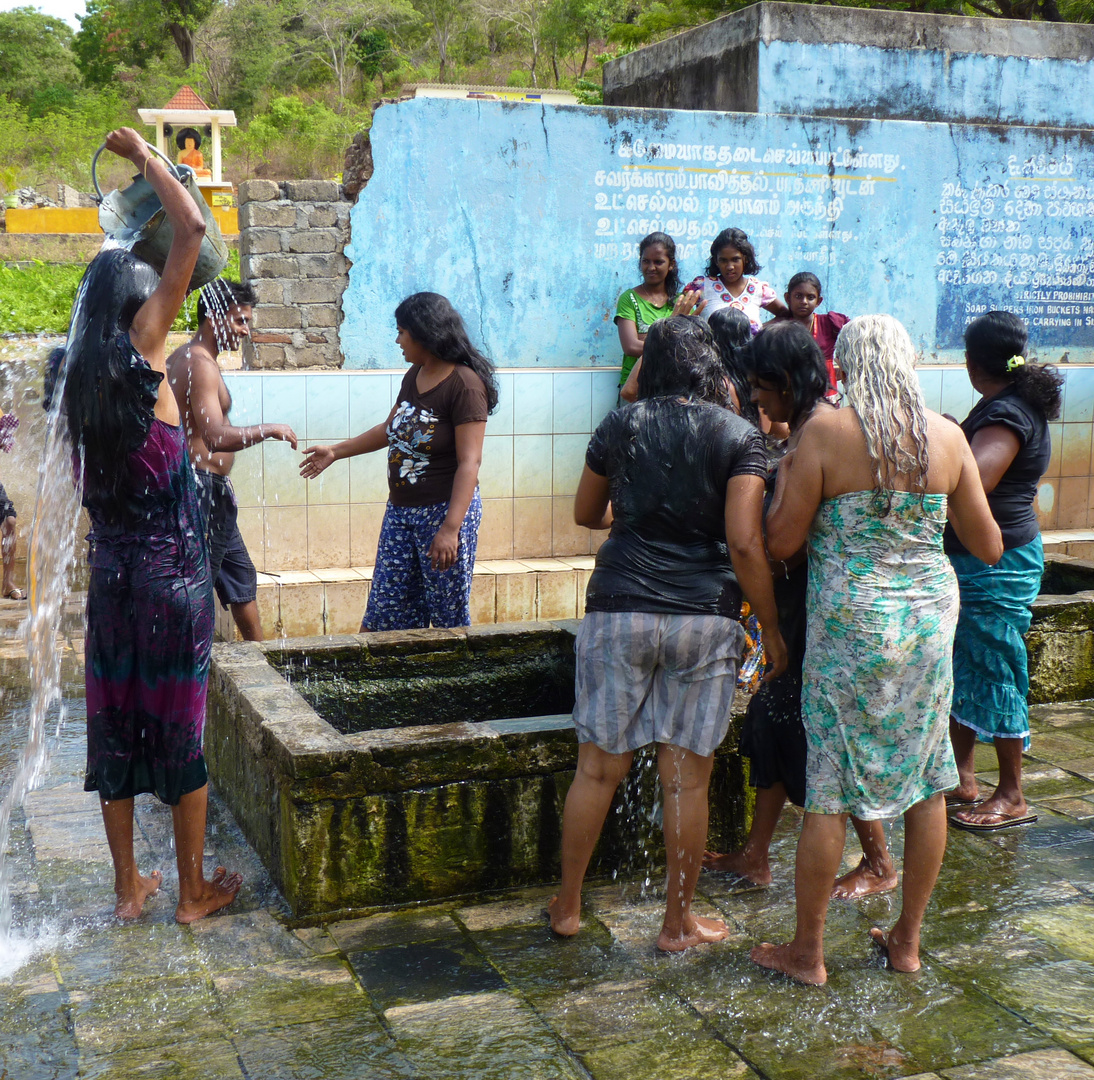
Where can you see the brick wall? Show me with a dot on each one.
(292, 237)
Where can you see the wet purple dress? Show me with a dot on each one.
(149, 631)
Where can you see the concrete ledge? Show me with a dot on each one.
(304, 603)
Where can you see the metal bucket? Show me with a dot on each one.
(136, 219)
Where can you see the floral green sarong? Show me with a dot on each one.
(878, 679)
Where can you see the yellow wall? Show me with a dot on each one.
(53, 219)
(56, 219)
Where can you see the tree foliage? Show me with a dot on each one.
(35, 56)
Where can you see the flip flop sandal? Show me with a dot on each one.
(993, 826)
(15, 594)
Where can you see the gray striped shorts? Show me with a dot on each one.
(645, 678)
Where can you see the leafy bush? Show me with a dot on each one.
(37, 299)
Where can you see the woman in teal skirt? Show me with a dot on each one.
(1008, 432)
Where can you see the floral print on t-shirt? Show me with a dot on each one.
(409, 440)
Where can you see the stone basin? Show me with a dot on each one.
(374, 769)
(1061, 637)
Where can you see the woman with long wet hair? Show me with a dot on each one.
(149, 599)
(871, 487)
(433, 435)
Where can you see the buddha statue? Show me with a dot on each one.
(188, 140)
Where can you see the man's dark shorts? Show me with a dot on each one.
(230, 566)
(7, 507)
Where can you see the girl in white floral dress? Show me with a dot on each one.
(869, 486)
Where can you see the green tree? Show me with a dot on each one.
(328, 31)
(446, 20)
(35, 55)
(114, 34)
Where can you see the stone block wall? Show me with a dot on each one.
(292, 241)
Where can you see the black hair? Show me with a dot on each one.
(436, 325)
(49, 378)
(993, 341)
(680, 360)
(229, 293)
(785, 356)
(732, 332)
(109, 389)
(660, 239)
(188, 133)
(803, 277)
(734, 238)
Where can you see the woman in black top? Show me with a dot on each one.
(1008, 432)
(680, 481)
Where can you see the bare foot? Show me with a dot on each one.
(217, 893)
(783, 958)
(130, 906)
(901, 956)
(696, 931)
(563, 923)
(741, 863)
(864, 880)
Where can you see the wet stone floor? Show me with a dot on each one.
(479, 989)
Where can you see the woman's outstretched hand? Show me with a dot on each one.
(129, 144)
(316, 459)
(445, 548)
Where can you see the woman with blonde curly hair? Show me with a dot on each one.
(869, 486)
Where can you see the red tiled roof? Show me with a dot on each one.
(186, 99)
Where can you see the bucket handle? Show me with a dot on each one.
(171, 167)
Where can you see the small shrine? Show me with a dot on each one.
(188, 132)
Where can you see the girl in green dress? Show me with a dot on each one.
(640, 307)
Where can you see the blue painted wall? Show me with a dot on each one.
(863, 80)
(528, 218)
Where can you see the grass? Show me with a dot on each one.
(37, 299)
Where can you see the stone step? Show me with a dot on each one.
(1076, 542)
(300, 603)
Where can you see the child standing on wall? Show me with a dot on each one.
(803, 297)
(730, 280)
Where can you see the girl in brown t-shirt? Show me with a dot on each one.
(433, 434)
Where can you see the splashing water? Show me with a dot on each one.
(50, 552)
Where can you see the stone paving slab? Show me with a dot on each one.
(479, 987)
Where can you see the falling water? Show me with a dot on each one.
(50, 551)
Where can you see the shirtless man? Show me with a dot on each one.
(204, 403)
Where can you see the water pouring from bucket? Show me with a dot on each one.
(135, 218)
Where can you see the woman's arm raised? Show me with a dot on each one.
(152, 322)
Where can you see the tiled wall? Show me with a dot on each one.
(532, 458)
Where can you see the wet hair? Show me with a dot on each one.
(805, 277)
(680, 360)
(784, 355)
(109, 389)
(660, 239)
(49, 376)
(436, 325)
(188, 133)
(228, 292)
(732, 332)
(994, 339)
(734, 238)
(880, 384)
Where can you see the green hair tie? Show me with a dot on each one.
(1015, 362)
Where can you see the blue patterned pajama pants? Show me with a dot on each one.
(407, 593)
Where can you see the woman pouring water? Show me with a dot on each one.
(149, 599)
